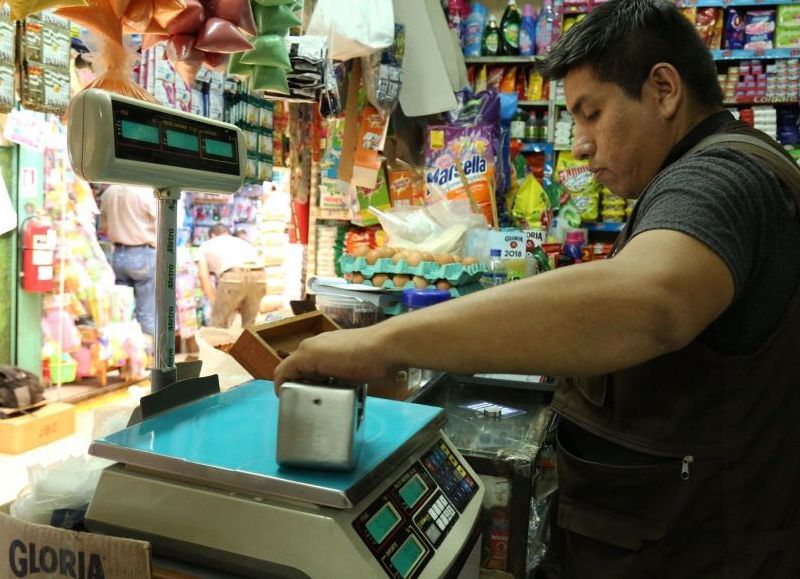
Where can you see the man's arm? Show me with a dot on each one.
(205, 280)
(655, 297)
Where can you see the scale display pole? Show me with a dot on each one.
(164, 371)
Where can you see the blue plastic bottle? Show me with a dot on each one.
(544, 28)
(527, 31)
(474, 25)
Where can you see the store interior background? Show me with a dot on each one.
(80, 336)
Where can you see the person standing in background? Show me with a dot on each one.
(241, 280)
(128, 216)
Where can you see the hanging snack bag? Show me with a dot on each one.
(734, 29)
(760, 29)
(472, 146)
(709, 25)
(531, 208)
(579, 184)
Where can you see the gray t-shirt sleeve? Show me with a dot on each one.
(717, 197)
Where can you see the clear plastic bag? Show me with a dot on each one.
(354, 28)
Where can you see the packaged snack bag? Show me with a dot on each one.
(734, 29)
(531, 206)
(709, 25)
(472, 146)
(406, 185)
(579, 184)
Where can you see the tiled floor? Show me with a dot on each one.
(94, 418)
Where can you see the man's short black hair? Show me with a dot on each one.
(219, 229)
(622, 40)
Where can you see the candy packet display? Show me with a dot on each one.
(445, 147)
(760, 29)
(709, 24)
(788, 16)
(531, 206)
(579, 185)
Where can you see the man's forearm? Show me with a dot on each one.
(583, 320)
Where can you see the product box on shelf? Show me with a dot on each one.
(32, 429)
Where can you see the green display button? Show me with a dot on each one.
(407, 556)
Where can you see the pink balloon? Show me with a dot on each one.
(238, 12)
(189, 20)
(180, 47)
(220, 35)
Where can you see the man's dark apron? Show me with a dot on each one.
(722, 495)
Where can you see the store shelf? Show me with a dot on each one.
(501, 59)
(773, 53)
(604, 226)
(329, 215)
(563, 148)
(560, 103)
(759, 102)
(543, 103)
(727, 3)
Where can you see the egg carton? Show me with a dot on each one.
(455, 273)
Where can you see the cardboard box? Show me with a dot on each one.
(261, 348)
(30, 550)
(51, 422)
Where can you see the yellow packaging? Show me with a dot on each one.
(535, 86)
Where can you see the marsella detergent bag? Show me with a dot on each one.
(472, 146)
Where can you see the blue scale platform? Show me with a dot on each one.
(230, 439)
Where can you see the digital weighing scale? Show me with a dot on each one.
(200, 481)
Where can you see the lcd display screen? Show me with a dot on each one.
(407, 556)
(218, 148)
(413, 491)
(382, 523)
(181, 140)
(140, 132)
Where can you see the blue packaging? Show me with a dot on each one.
(473, 29)
(734, 29)
(527, 32)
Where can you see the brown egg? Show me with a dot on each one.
(386, 252)
(456, 258)
(398, 257)
(372, 256)
(469, 260)
(420, 282)
(379, 279)
(361, 251)
(401, 280)
(444, 258)
(443, 284)
(391, 250)
(357, 278)
(428, 257)
(414, 258)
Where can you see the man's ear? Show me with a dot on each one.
(664, 86)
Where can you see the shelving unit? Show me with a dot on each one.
(606, 227)
(501, 59)
(769, 54)
(731, 3)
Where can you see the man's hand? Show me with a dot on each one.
(350, 355)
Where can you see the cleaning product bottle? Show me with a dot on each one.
(527, 31)
(517, 127)
(544, 28)
(474, 25)
(532, 128)
(490, 44)
(509, 29)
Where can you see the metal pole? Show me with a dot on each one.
(164, 371)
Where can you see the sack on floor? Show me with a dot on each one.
(19, 388)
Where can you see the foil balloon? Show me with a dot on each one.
(218, 28)
(150, 16)
(23, 8)
(113, 61)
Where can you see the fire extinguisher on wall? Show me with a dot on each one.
(38, 255)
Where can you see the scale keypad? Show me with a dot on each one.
(406, 524)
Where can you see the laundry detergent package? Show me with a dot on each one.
(734, 29)
(473, 148)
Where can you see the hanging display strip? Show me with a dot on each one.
(731, 3)
(770, 53)
(44, 63)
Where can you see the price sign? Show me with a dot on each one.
(513, 246)
(533, 238)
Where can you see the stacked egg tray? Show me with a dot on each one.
(457, 275)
